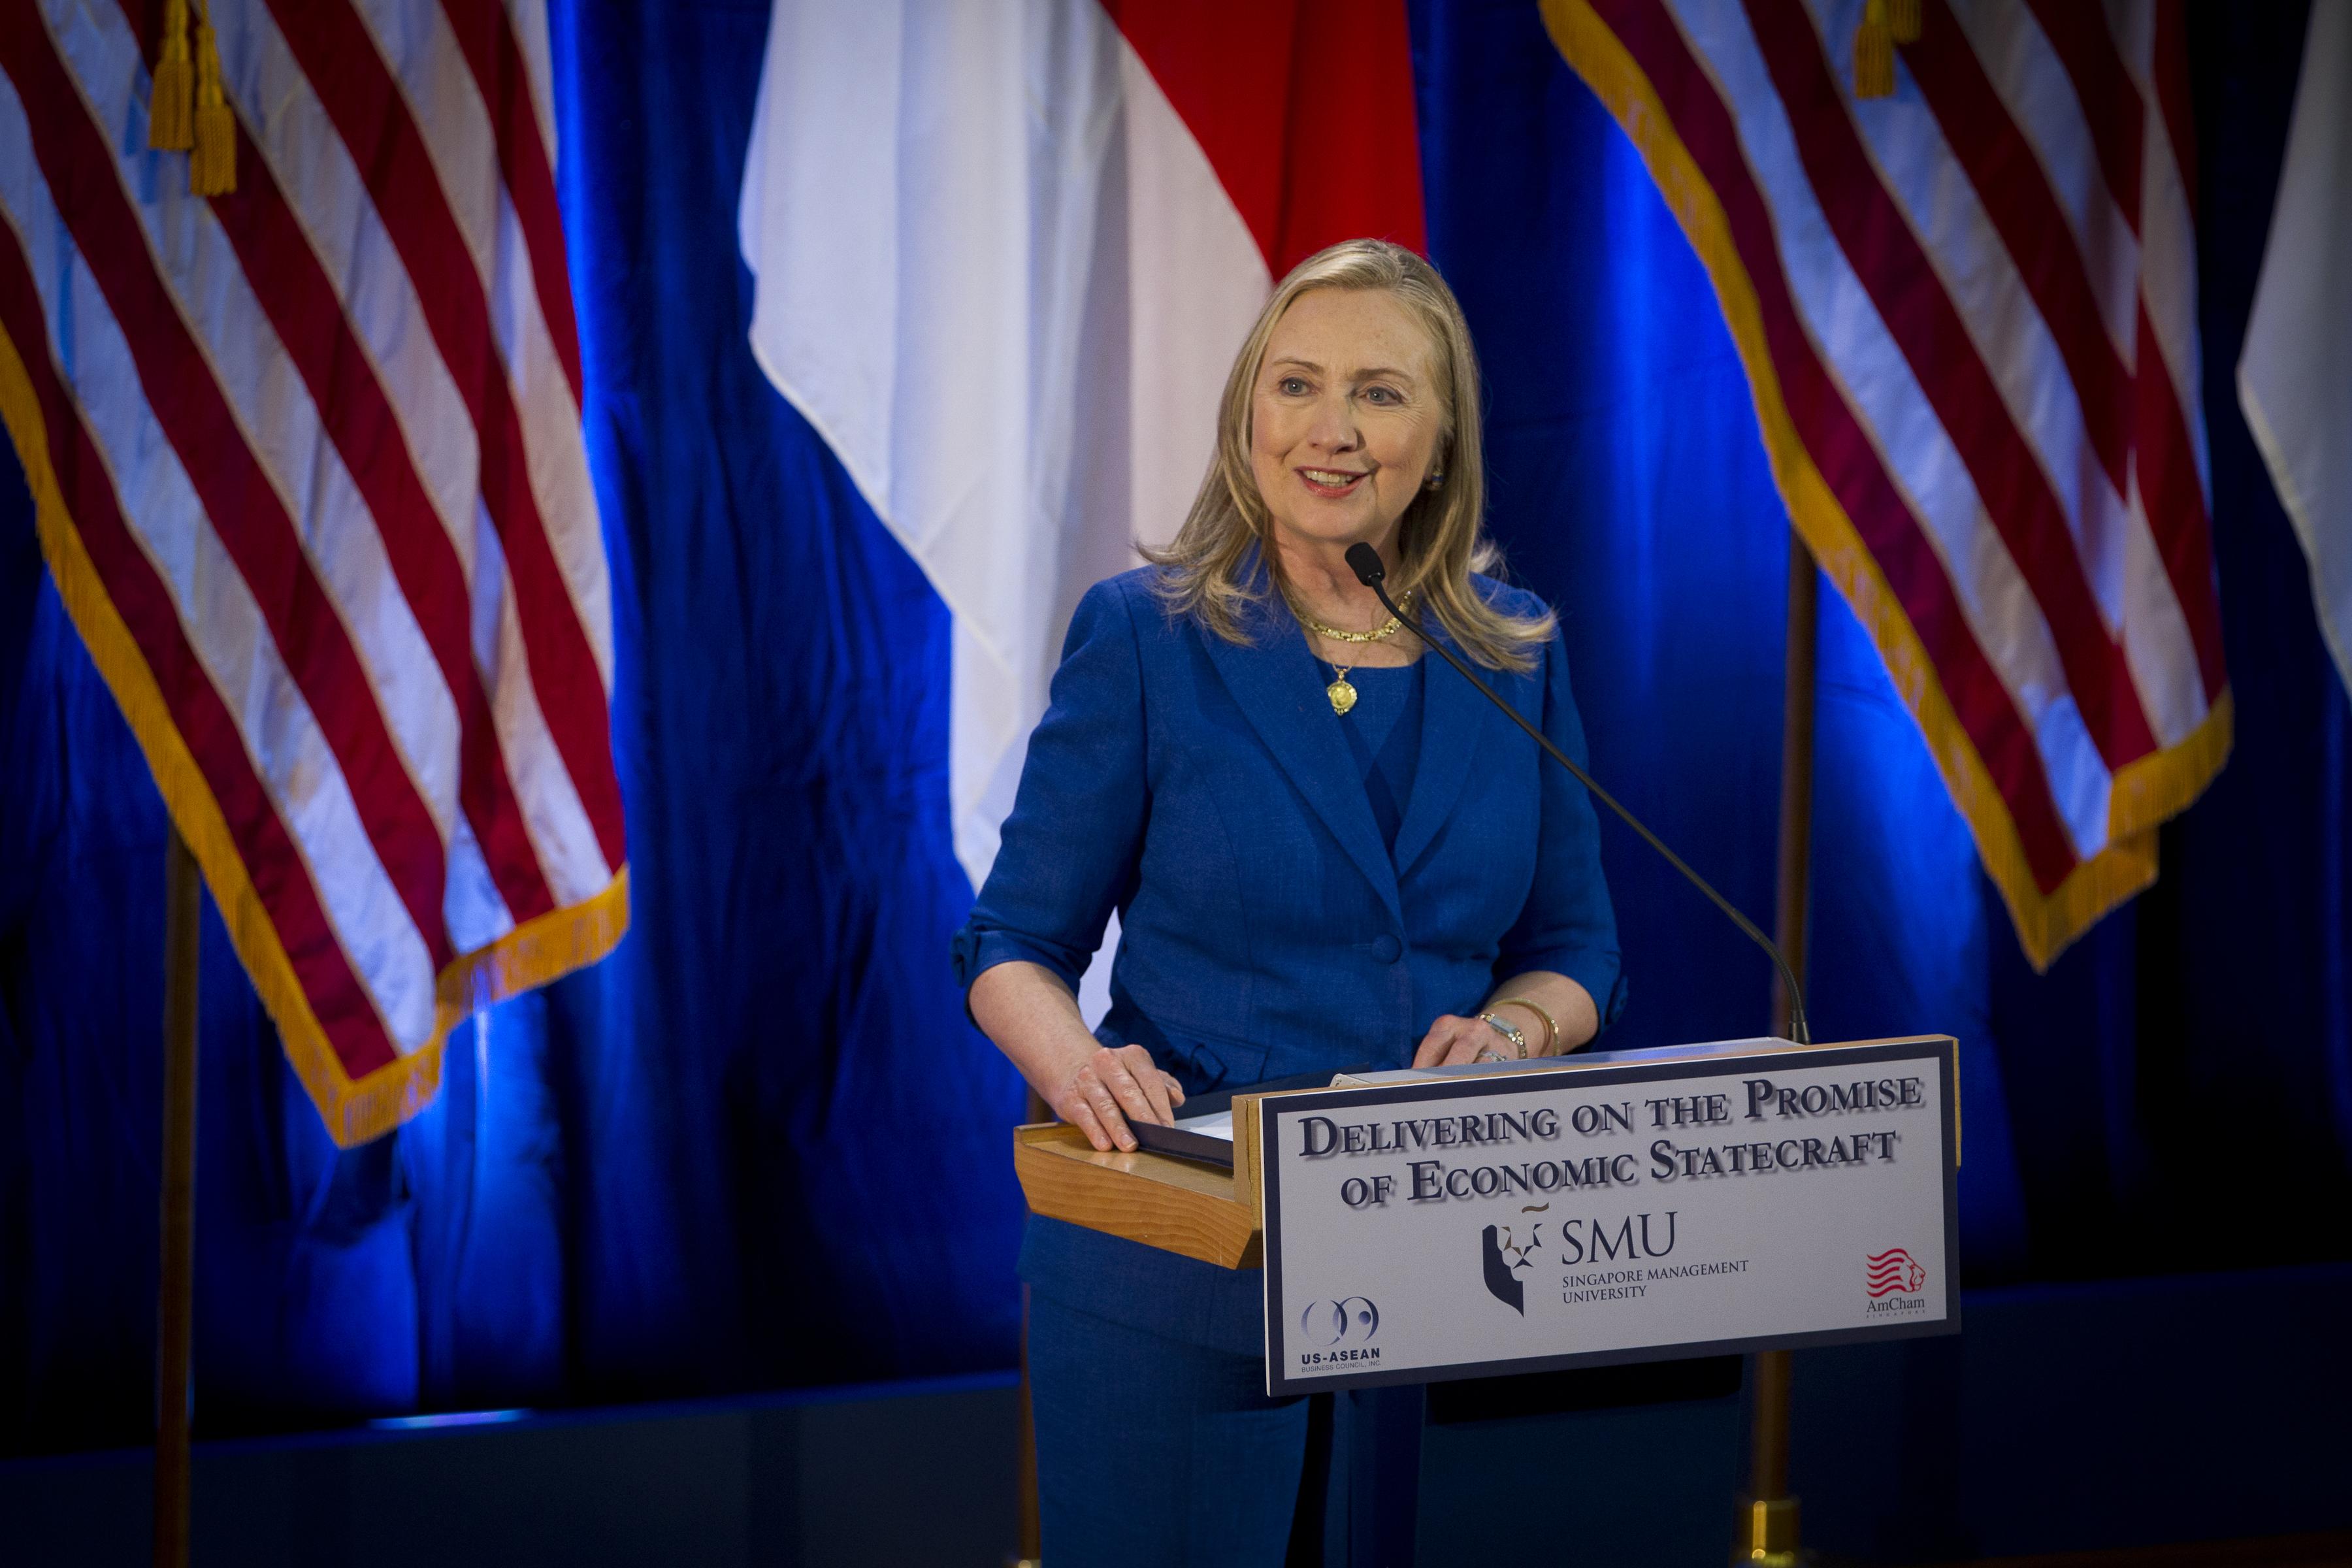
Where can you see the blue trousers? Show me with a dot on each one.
(1157, 1443)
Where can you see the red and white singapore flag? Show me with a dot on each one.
(1005, 256)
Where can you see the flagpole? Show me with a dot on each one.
(1768, 1515)
(176, 1280)
(1031, 1550)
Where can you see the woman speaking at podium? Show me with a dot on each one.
(1323, 855)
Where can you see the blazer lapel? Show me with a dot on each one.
(1453, 718)
(1279, 686)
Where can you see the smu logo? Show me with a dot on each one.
(1892, 1272)
(1501, 1261)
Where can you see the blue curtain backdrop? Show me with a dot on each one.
(761, 1146)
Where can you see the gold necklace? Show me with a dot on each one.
(1380, 633)
(1341, 691)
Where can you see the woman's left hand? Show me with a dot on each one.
(1451, 1041)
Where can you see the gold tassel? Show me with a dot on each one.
(212, 166)
(1874, 54)
(170, 125)
(1902, 20)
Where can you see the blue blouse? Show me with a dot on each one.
(1383, 731)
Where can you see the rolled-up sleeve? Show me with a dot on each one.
(1567, 926)
(1070, 848)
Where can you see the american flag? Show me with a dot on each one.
(308, 471)
(1953, 243)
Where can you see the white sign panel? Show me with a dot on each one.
(1430, 1230)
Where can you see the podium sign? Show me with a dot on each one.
(1675, 1204)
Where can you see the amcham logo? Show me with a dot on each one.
(1892, 1272)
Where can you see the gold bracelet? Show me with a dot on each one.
(1551, 1025)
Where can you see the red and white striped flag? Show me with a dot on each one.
(307, 462)
(1967, 306)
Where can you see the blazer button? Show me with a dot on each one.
(1386, 949)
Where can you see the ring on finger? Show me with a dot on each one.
(1487, 1056)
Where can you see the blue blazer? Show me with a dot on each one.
(1203, 789)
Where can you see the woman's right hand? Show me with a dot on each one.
(1030, 1014)
(1104, 1089)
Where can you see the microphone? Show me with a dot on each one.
(1365, 561)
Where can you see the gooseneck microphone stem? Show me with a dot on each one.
(1366, 562)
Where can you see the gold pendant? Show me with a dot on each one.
(1342, 695)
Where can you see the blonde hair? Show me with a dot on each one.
(1441, 539)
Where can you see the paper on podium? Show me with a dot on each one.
(1206, 1134)
(1219, 1125)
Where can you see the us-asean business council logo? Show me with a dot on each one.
(1895, 1281)
(1339, 1331)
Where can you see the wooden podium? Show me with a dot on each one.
(1819, 1179)
(1175, 1205)
(1788, 1196)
